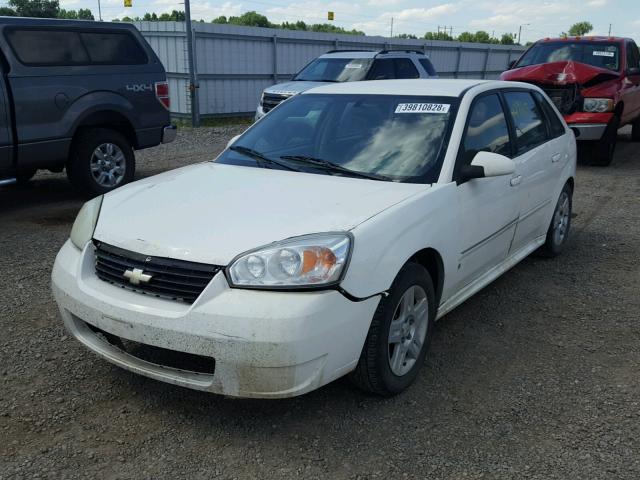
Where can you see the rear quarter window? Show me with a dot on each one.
(49, 47)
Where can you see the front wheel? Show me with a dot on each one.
(397, 341)
(102, 160)
(558, 231)
(605, 148)
(635, 131)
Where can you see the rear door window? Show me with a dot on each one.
(405, 68)
(556, 128)
(52, 47)
(528, 120)
(382, 69)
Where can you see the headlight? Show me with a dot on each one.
(309, 261)
(85, 224)
(597, 105)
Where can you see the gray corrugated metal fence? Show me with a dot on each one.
(234, 64)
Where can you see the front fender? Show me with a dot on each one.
(385, 242)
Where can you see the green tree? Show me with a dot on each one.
(221, 19)
(407, 35)
(466, 37)
(7, 12)
(150, 17)
(578, 29)
(250, 19)
(507, 39)
(35, 8)
(438, 36)
(85, 14)
(482, 37)
(174, 16)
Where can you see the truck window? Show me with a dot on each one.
(633, 56)
(35, 47)
(113, 48)
(597, 54)
(48, 47)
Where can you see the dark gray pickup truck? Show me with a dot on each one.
(78, 95)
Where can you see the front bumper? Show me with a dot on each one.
(169, 133)
(589, 131)
(259, 113)
(265, 344)
(591, 126)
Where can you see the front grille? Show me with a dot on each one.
(564, 98)
(271, 100)
(159, 356)
(171, 279)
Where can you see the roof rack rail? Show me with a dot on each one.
(353, 50)
(408, 50)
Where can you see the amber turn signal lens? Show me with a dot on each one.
(312, 259)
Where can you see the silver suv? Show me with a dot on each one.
(349, 66)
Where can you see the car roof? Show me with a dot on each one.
(584, 39)
(424, 86)
(54, 22)
(371, 53)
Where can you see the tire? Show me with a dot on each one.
(605, 148)
(635, 131)
(375, 372)
(101, 160)
(558, 231)
(25, 175)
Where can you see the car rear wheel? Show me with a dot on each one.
(102, 160)
(398, 339)
(558, 231)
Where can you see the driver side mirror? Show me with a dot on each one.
(233, 140)
(633, 71)
(488, 164)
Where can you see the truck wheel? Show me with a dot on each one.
(399, 335)
(101, 161)
(606, 146)
(635, 131)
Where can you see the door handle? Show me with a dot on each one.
(515, 180)
(556, 157)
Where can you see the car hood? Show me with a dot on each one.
(292, 88)
(211, 212)
(560, 73)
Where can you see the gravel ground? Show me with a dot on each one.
(536, 377)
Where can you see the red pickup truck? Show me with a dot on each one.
(594, 82)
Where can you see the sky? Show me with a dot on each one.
(538, 18)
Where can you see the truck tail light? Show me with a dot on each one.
(162, 94)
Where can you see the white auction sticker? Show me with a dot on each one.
(353, 65)
(603, 54)
(422, 108)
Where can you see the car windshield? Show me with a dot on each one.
(597, 54)
(390, 137)
(335, 70)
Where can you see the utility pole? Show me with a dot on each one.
(520, 31)
(609, 29)
(99, 11)
(391, 27)
(195, 116)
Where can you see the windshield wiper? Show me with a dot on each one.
(332, 167)
(259, 157)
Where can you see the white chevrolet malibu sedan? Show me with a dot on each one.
(324, 241)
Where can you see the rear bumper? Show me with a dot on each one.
(264, 344)
(169, 133)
